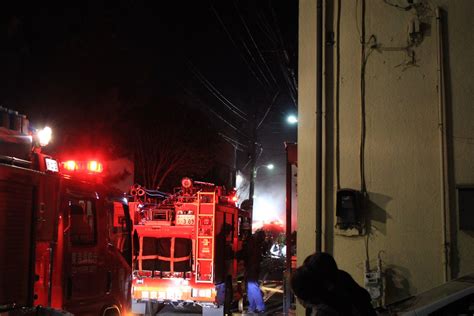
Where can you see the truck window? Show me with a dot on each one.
(119, 230)
(83, 222)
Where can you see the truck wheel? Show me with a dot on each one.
(111, 311)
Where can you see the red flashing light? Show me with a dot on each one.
(94, 166)
(70, 165)
(234, 198)
(186, 183)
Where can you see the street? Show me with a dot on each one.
(274, 306)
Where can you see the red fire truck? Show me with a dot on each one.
(184, 244)
(65, 239)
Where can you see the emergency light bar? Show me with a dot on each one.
(92, 166)
(70, 165)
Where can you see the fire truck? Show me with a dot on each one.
(185, 245)
(65, 237)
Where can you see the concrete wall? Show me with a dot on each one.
(402, 154)
(461, 96)
(306, 129)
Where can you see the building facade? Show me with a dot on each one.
(386, 92)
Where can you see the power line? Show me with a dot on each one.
(236, 46)
(282, 54)
(236, 144)
(268, 109)
(252, 58)
(264, 26)
(233, 140)
(233, 108)
(269, 86)
(253, 42)
(193, 95)
(213, 88)
(219, 93)
(291, 84)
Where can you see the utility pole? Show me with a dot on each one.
(291, 160)
(253, 158)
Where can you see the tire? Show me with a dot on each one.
(111, 311)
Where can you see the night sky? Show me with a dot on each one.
(100, 70)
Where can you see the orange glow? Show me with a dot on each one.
(234, 198)
(70, 165)
(94, 166)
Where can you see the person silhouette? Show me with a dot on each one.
(252, 254)
(326, 290)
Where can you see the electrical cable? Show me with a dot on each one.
(265, 27)
(246, 164)
(234, 109)
(362, 102)
(260, 153)
(254, 43)
(367, 257)
(292, 87)
(238, 146)
(225, 121)
(236, 46)
(226, 101)
(198, 73)
(191, 94)
(275, 22)
(250, 159)
(289, 83)
(233, 140)
(338, 83)
(364, 59)
(269, 86)
(268, 109)
(282, 58)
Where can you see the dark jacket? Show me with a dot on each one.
(223, 255)
(319, 282)
(252, 254)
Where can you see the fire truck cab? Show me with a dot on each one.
(65, 236)
(184, 246)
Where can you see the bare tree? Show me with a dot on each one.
(175, 145)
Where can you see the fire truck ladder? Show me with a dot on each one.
(205, 237)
